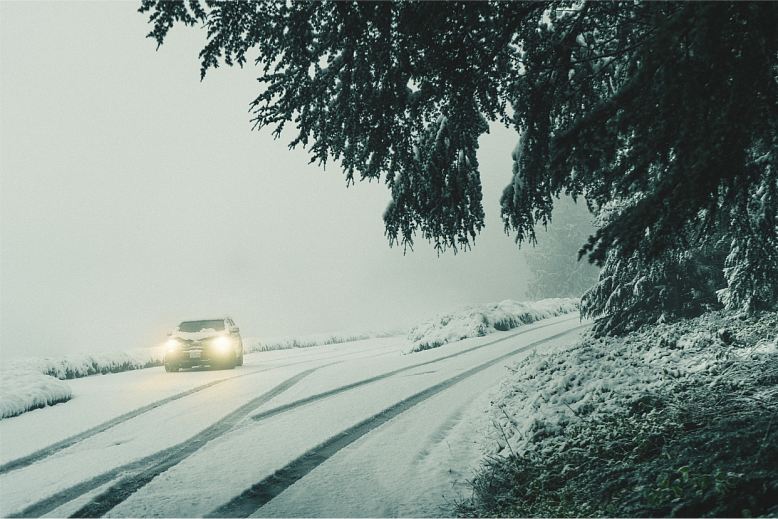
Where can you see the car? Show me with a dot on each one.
(210, 342)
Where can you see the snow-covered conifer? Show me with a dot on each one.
(673, 102)
(634, 290)
(751, 268)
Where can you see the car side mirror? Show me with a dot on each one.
(234, 329)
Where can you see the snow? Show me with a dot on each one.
(35, 382)
(596, 378)
(436, 437)
(411, 469)
(481, 320)
(77, 366)
(25, 389)
(369, 478)
(197, 336)
(251, 345)
(412, 465)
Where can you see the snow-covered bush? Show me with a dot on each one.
(480, 320)
(26, 389)
(644, 288)
(751, 269)
(77, 366)
(633, 292)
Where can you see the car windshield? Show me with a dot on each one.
(197, 326)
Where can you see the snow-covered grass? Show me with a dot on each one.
(477, 321)
(35, 382)
(26, 389)
(672, 420)
(251, 345)
(77, 366)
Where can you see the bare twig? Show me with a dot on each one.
(506, 438)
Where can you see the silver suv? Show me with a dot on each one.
(213, 342)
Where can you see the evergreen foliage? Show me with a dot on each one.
(751, 268)
(674, 102)
(635, 290)
(666, 100)
(632, 291)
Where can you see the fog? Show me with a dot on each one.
(133, 196)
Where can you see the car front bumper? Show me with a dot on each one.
(197, 357)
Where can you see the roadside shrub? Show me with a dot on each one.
(704, 443)
(26, 389)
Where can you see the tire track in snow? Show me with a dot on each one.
(118, 493)
(320, 396)
(69, 442)
(141, 472)
(44, 453)
(258, 495)
(144, 470)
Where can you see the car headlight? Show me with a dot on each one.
(173, 345)
(222, 343)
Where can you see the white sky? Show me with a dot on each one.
(133, 196)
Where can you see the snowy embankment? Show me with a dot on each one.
(598, 378)
(636, 426)
(78, 366)
(478, 321)
(30, 383)
(26, 389)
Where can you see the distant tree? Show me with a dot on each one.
(674, 102)
(553, 261)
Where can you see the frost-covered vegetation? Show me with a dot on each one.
(251, 345)
(26, 389)
(673, 420)
(78, 366)
(35, 382)
(480, 320)
(634, 290)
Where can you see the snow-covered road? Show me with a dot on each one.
(354, 429)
